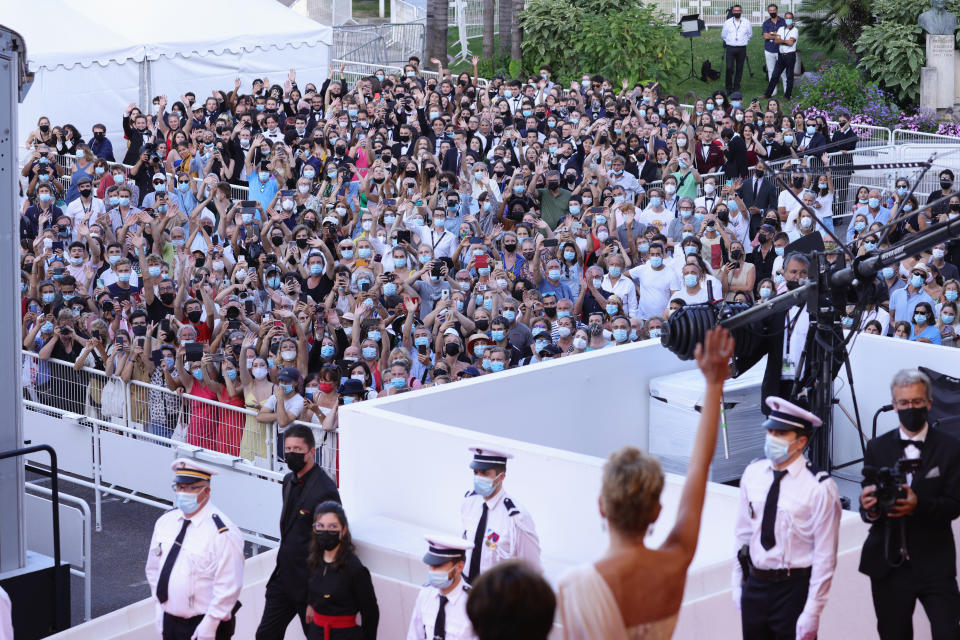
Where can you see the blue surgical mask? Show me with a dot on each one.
(497, 335)
(479, 349)
(779, 250)
(439, 579)
(374, 335)
(615, 272)
(263, 175)
(398, 383)
(916, 281)
(288, 388)
(198, 374)
(847, 322)
(901, 191)
(920, 318)
(611, 309)
(776, 449)
(365, 252)
(620, 335)
(656, 262)
(690, 280)
(316, 269)
(123, 277)
(574, 209)
(811, 130)
(389, 289)
(496, 366)
(48, 298)
(488, 304)
(169, 362)
(511, 315)
(422, 341)
(46, 327)
(327, 351)
(369, 352)
(870, 246)
(788, 22)
(951, 295)
(483, 485)
(346, 253)
(888, 273)
(873, 202)
(655, 201)
(348, 399)
(765, 293)
(183, 186)
(186, 502)
(160, 188)
(690, 249)
(947, 318)
(232, 374)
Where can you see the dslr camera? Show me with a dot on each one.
(889, 482)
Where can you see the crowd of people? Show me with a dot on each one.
(276, 251)
(288, 249)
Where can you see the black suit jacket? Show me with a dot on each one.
(928, 529)
(765, 200)
(736, 153)
(296, 530)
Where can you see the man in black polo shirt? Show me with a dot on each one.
(304, 488)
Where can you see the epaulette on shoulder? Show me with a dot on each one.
(511, 508)
(221, 527)
(817, 472)
(469, 493)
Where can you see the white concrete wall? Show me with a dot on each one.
(592, 403)
(874, 360)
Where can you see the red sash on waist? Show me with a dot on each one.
(333, 622)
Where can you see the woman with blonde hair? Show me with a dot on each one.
(634, 591)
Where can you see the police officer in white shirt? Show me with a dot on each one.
(499, 528)
(786, 532)
(195, 561)
(440, 612)
(736, 33)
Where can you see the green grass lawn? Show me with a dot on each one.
(707, 47)
(370, 8)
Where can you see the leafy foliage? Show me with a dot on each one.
(832, 23)
(830, 87)
(616, 38)
(891, 54)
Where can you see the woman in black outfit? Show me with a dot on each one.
(339, 587)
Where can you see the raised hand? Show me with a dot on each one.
(714, 353)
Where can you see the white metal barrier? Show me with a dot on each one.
(901, 136)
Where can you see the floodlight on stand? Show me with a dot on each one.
(691, 25)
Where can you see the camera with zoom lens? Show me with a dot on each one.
(889, 482)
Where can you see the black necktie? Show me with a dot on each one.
(767, 537)
(168, 563)
(477, 546)
(756, 189)
(440, 626)
(917, 443)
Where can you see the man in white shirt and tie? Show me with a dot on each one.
(735, 34)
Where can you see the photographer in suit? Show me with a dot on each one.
(304, 488)
(909, 553)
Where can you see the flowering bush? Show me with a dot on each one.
(924, 120)
(951, 128)
(829, 87)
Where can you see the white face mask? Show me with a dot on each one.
(304, 189)
(288, 355)
(361, 377)
(579, 344)
(709, 188)
(259, 373)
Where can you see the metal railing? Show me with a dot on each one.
(904, 136)
(391, 43)
(714, 12)
(472, 13)
(142, 407)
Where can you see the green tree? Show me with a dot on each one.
(832, 23)
(623, 40)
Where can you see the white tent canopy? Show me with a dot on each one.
(93, 57)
